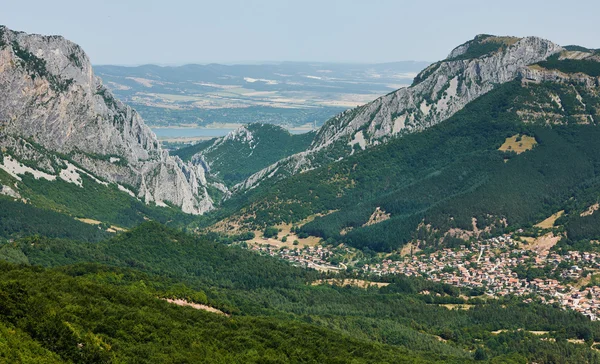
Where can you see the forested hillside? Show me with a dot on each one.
(245, 151)
(113, 312)
(74, 204)
(89, 319)
(442, 178)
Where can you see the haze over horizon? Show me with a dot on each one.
(234, 31)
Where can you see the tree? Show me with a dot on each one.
(480, 354)
(270, 232)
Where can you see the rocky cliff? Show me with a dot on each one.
(52, 104)
(438, 92)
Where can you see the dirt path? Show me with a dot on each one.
(360, 283)
(197, 306)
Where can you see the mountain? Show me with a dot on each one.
(520, 152)
(245, 151)
(471, 70)
(60, 121)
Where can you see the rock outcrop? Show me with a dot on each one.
(51, 101)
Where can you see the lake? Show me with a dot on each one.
(190, 132)
(169, 133)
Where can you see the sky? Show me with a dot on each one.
(132, 32)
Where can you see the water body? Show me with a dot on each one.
(168, 133)
(190, 132)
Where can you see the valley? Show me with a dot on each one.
(313, 213)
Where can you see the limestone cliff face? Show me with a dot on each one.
(49, 96)
(445, 88)
(439, 91)
(574, 97)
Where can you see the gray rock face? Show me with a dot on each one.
(443, 89)
(539, 75)
(448, 87)
(49, 95)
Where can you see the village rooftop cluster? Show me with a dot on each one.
(490, 265)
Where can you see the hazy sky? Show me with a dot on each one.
(179, 31)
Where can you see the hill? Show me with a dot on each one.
(245, 151)
(87, 319)
(438, 92)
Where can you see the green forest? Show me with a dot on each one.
(91, 273)
(72, 301)
(50, 208)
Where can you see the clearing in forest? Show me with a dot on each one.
(541, 244)
(379, 215)
(197, 306)
(360, 283)
(111, 229)
(518, 144)
(457, 306)
(549, 222)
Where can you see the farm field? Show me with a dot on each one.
(289, 94)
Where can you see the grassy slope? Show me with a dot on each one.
(484, 45)
(104, 203)
(18, 219)
(591, 68)
(52, 207)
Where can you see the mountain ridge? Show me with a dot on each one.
(436, 222)
(444, 88)
(50, 101)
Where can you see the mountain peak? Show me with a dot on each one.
(485, 45)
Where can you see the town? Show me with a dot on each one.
(498, 267)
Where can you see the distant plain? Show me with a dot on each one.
(297, 96)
